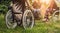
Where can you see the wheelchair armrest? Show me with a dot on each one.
(17, 12)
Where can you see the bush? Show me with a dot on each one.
(3, 9)
(4, 6)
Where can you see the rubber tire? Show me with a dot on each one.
(54, 20)
(9, 13)
(32, 24)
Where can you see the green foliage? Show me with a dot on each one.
(3, 9)
(4, 6)
(5, 2)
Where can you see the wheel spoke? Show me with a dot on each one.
(9, 22)
(28, 19)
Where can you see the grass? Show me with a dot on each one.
(39, 27)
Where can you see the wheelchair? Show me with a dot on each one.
(26, 18)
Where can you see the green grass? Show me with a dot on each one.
(39, 27)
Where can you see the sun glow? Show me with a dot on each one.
(45, 1)
(44, 6)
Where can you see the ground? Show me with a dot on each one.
(39, 27)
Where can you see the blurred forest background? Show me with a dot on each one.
(4, 6)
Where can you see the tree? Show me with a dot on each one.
(4, 6)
